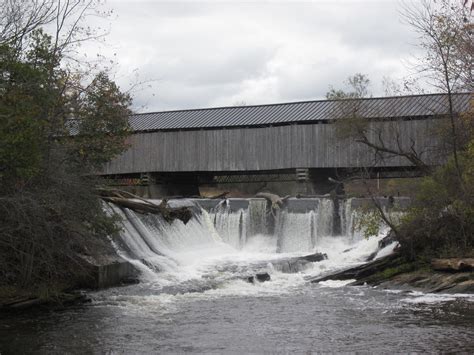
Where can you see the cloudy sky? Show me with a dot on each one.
(219, 53)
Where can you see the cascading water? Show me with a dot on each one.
(237, 238)
(257, 217)
(347, 218)
(296, 232)
(231, 226)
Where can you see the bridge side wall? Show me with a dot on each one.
(270, 148)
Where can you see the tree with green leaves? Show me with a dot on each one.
(58, 123)
(445, 36)
(441, 222)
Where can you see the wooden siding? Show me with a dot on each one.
(268, 148)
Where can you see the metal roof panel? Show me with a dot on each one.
(293, 112)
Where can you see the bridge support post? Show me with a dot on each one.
(304, 186)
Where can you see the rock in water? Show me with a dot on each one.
(263, 277)
(372, 256)
(385, 241)
(388, 239)
(298, 263)
(315, 257)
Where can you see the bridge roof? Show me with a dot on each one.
(298, 112)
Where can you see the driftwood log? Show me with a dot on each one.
(453, 264)
(140, 205)
(275, 200)
(220, 196)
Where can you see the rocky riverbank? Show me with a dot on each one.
(393, 272)
(432, 281)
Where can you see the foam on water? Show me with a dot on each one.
(336, 283)
(216, 251)
(417, 297)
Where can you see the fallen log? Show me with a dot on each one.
(453, 264)
(112, 192)
(275, 200)
(140, 205)
(219, 196)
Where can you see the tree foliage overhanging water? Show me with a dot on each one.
(441, 220)
(49, 214)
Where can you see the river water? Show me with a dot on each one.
(194, 295)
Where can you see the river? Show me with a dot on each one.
(243, 318)
(194, 295)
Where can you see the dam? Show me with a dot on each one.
(300, 227)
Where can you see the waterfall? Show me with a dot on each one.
(231, 226)
(233, 229)
(296, 232)
(348, 218)
(325, 221)
(257, 217)
(146, 236)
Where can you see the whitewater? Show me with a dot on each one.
(221, 247)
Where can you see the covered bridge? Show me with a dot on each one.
(295, 141)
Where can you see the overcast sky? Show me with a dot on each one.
(219, 53)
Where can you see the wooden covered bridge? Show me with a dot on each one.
(293, 143)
